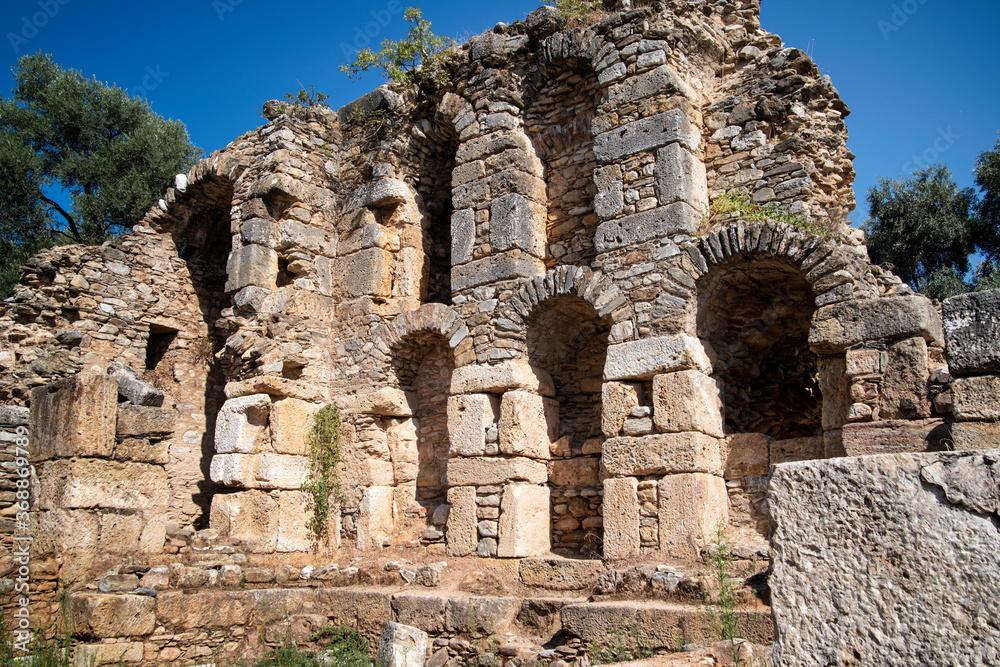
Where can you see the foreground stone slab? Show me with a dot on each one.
(912, 601)
(401, 646)
(972, 330)
(112, 615)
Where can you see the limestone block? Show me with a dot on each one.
(469, 417)
(687, 401)
(644, 134)
(839, 326)
(87, 655)
(462, 534)
(260, 471)
(833, 443)
(463, 235)
(133, 388)
(366, 272)
(610, 198)
(797, 449)
(95, 615)
(293, 516)
(401, 646)
(377, 517)
(380, 193)
(975, 435)
(643, 359)
(240, 425)
(524, 521)
(249, 516)
(903, 392)
(746, 454)
(866, 361)
(493, 269)
(426, 611)
(516, 224)
(291, 421)
(100, 484)
(144, 420)
(663, 221)
(141, 450)
(892, 437)
(580, 472)
(274, 386)
(662, 80)
(680, 176)
(75, 416)
(617, 401)
(13, 415)
(972, 330)
(621, 517)
(252, 265)
(559, 574)
(528, 425)
(402, 437)
(389, 402)
(480, 471)
(664, 453)
(473, 615)
(692, 508)
(828, 559)
(835, 387)
(512, 374)
(976, 398)
(408, 272)
(207, 609)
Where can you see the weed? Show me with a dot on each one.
(575, 12)
(324, 456)
(725, 620)
(626, 646)
(740, 205)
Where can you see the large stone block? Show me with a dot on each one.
(839, 326)
(389, 402)
(907, 543)
(364, 273)
(469, 417)
(291, 421)
(401, 646)
(972, 330)
(680, 176)
(515, 223)
(746, 455)
(462, 533)
(509, 266)
(618, 399)
(975, 435)
(260, 471)
(463, 235)
(377, 517)
(241, 424)
(692, 509)
(403, 440)
(663, 453)
(75, 416)
(976, 398)
(209, 609)
(144, 420)
(643, 359)
(512, 374)
(646, 133)
(687, 401)
(662, 80)
(528, 425)
(524, 521)
(580, 472)
(664, 221)
(621, 517)
(559, 574)
(892, 437)
(249, 516)
(252, 266)
(98, 484)
(835, 387)
(133, 388)
(119, 653)
(104, 616)
(474, 615)
(480, 471)
(293, 521)
(425, 611)
(903, 392)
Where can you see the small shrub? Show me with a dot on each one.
(575, 12)
(418, 58)
(725, 620)
(324, 456)
(306, 98)
(740, 205)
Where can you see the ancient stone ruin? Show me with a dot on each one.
(541, 342)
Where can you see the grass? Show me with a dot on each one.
(725, 620)
(626, 646)
(740, 205)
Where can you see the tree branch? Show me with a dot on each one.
(75, 233)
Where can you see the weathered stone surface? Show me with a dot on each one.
(975, 435)
(903, 391)
(677, 218)
(579, 472)
(13, 415)
(293, 518)
(469, 417)
(836, 389)
(249, 516)
(797, 449)
(462, 534)
(97, 484)
(516, 223)
(663, 453)
(142, 450)
(252, 265)
(528, 425)
(495, 268)
(559, 574)
(463, 235)
(514, 374)
(680, 176)
(892, 437)
(524, 521)
(746, 454)
(133, 388)
(642, 135)
(366, 272)
(215, 609)
(377, 517)
(426, 612)
(389, 402)
(617, 400)
(643, 359)
(472, 615)
(837, 327)
(144, 420)
(692, 507)
(260, 471)
(75, 416)
(687, 401)
(87, 655)
(976, 398)
(401, 646)
(621, 517)
(291, 421)
(972, 329)
(241, 424)
(930, 601)
(475, 471)
(112, 615)
(661, 80)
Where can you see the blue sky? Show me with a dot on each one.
(919, 75)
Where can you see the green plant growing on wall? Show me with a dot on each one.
(739, 204)
(574, 11)
(725, 620)
(306, 98)
(417, 58)
(322, 483)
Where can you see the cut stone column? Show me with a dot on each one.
(529, 424)
(621, 517)
(524, 521)
(469, 417)
(462, 535)
(376, 517)
(692, 507)
(687, 401)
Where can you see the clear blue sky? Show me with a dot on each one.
(921, 76)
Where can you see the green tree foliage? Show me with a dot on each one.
(987, 228)
(109, 152)
(399, 60)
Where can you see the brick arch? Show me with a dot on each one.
(434, 318)
(219, 174)
(591, 286)
(582, 45)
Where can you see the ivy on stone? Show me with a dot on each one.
(323, 483)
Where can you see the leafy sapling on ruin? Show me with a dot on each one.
(323, 484)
